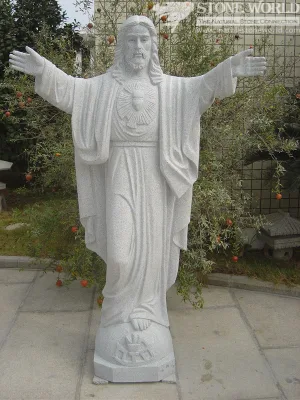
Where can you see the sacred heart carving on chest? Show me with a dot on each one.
(136, 104)
(138, 100)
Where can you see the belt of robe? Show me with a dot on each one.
(133, 144)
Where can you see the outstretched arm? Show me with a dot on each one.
(50, 82)
(221, 81)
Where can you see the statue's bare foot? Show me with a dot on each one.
(140, 324)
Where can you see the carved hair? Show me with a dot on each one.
(155, 71)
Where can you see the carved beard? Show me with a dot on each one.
(133, 64)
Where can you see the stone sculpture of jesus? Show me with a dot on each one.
(136, 135)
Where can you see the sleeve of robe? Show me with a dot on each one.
(62, 90)
(56, 87)
(217, 83)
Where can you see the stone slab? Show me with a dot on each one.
(19, 225)
(41, 358)
(265, 398)
(11, 299)
(22, 262)
(286, 365)
(46, 296)
(120, 391)
(243, 282)
(155, 372)
(213, 297)
(274, 319)
(16, 276)
(216, 357)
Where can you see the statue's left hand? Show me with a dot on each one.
(30, 63)
(243, 64)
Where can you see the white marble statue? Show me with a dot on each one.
(136, 135)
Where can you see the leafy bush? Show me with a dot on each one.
(231, 130)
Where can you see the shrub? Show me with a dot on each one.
(232, 129)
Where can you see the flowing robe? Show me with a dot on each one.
(135, 191)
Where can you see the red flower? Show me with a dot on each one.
(58, 268)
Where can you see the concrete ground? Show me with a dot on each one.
(243, 345)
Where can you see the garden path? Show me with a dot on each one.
(243, 345)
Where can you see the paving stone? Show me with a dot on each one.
(271, 317)
(216, 357)
(128, 391)
(265, 398)
(41, 358)
(16, 276)
(46, 296)
(11, 298)
(213, 297)
(286, 365)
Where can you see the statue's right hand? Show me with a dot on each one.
(29, 63)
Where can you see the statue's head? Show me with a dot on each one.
(137, 48)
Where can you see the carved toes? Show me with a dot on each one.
(140, 324)
(135, 324)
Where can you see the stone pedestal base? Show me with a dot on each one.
(159, 371)
(125, 355)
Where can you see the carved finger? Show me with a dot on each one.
(19, 53)
(259, 59)
(135, 324)
(258, 65)
(17, 68)
(261, 64)
(246, 53)
(255, 70)
(255, 73)
(17, 64)
(259, 68)
(140, 324)
(32, 53)
(13, 57)
(254, 61)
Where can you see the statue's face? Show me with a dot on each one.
(137, 47)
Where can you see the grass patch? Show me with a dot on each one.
(255, 265)
(13, 243)
(37, 211)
